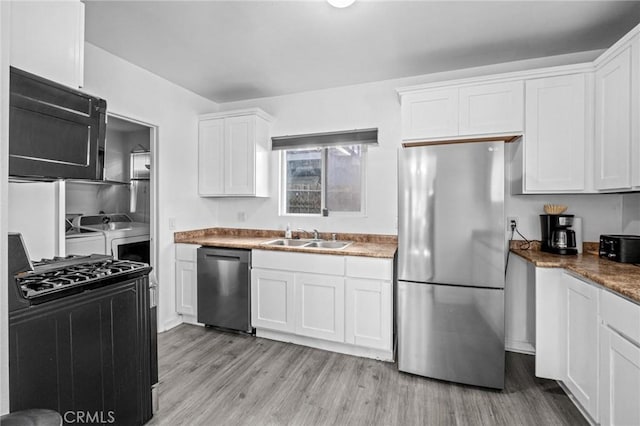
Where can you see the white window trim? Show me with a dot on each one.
(282, 208)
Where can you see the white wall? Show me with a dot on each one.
(601, 213)
(631, 213)
(135, 93)
(83, 198)
(377, 105)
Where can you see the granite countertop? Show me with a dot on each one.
(367, 245)
(622, 278)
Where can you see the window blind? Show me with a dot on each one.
(320, 140)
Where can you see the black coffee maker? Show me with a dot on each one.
(557, 238)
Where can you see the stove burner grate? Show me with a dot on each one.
(50, 279)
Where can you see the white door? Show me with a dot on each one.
(619, 379)
(555, 122)
(186, 288)
(272, 302)
(211, 163)
(491, 108)
(320, 304)
(430, 114)
(613, 123)
(582, 343)
(368, 310)
(240, 155)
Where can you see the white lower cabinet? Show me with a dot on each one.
(619, 361)
(186, 280)
(272, 303)
(368, 308)
(338, 303)
(320, 300)
(582, 343)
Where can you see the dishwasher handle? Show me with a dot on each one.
(239, 255)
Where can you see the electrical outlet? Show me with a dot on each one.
(172, 223)
(512, 223)
(242, 216)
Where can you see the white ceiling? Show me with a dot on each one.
(234, 50)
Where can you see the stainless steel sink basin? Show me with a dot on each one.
(328, 244)
(322, 244)
(286, 242)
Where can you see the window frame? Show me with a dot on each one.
(282, 184)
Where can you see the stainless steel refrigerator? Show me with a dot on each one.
(451, 260)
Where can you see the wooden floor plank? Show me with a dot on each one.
(208, 377)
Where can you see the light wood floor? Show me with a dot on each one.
(209, 377)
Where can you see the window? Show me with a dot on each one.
(319, 178)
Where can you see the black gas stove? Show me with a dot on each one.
(81, 335)
(49, 279)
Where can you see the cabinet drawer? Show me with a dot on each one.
(186, 252)
(369, 267)
(621, 315)
(304, 262)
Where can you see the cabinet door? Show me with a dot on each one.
(320, 303)
(211, 164)
(619, 379)
(430, 114)
(239, 155)
(555, 146)
(272, 302)
(491, 108)
(550, 323)
(368, 310)
(635, 112)
(582, 343)
(613, 123)
(47, 39)
(186, 288)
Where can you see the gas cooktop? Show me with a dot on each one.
(52, 278)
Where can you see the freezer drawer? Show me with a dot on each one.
(451, 333)
(224, 288)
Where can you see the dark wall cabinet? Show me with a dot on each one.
(85, 354)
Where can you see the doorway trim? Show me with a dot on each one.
(153, 192)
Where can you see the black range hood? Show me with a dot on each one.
(55, 132)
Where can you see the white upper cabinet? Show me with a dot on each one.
(491, 108)
(429, 114)
(467, 110)
(233, 157)
(47, 39)
(556, 134)
(617, 117)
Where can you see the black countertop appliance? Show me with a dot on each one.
(620, 248)
(557, 237)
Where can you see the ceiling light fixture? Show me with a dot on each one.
(341, 4)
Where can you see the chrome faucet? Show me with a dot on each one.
(316, 234)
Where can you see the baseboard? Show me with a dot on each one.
(169, 324)
(190, 319)
(343, 348)
(520, 347)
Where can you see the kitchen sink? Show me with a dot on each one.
(286, 242)
(328, 244)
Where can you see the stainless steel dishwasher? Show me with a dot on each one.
(224, 282)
